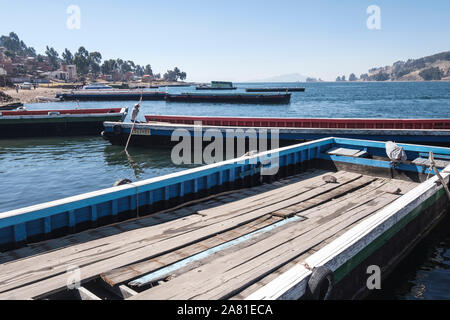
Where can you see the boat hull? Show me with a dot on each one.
(388, 250)
(29, 124)
(294, 89)
(231, 98)
(149, 134)
(113, 96)
(212, 88)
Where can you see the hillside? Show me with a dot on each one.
(434, 67)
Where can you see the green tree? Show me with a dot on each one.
(148, 70)
(81, 60)
(14, 44)
(94, 60)
(352, 77)
(67, 56)
(109, 66)
(53, 57)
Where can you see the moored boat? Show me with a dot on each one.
(42, 123)
(309, 223)
(217, 85)
(230, 98)
(111, 95)
(97, 86)
(159, 130)
(11, 106)
(276, 89)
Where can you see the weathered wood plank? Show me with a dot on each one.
(157, 231)
(138, 251)
(322, 198)
(232, 273)
(85, 294)
(129, 272)
(338, 204)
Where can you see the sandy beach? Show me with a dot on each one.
(30, 96)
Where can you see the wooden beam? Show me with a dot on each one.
(85, 294)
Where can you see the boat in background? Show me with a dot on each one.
(97, 86)
(217, 85)
(230, 98)
(47, 123)
(276, 89)
(111, 95)
(11, 106)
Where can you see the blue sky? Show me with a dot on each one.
(238, 40)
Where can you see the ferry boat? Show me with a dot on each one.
(302, 222)
(97, 86)
(44, 123)
(217, 85)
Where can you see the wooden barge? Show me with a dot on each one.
(213, 88)
(159, 131)
(230, 98)
(276, 89)
(41, 123)
(217, 85)
(111, 95)
(333, 208)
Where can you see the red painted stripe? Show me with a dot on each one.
(74, 111)
(351, 123)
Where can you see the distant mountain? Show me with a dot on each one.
(291, 77)
(434, 67)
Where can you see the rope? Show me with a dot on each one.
(134, 123)
(433, 167)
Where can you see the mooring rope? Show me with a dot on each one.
(433, 167)
(134, 121)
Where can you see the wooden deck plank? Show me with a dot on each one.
(123, 256)
(406, 186)
(129, 272)
(325, 197)
(101, 234)
(234, 272)
(172, 225)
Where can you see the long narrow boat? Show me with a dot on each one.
(160, 130)
(230, 98)
(42, 123)
(311, 220)
(111, 95)
(10, 106)
(329, 123)
(276, 89)
(217, 85)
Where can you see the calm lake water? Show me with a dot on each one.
(39, 170)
